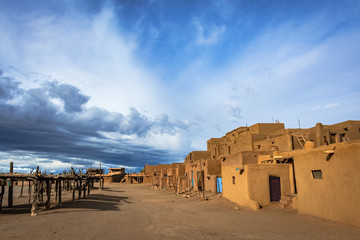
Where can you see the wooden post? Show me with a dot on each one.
(60, 202)
(2, 191)
(48, 193)
(101, 184)
(89, 186)
(56, 189)
(11, 189)
(73, 193)
(84, 189)
(41, 192)
(80, 185)
(29, 191)
(22, 188)
(34, 207)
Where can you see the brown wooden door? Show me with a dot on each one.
(275, 189)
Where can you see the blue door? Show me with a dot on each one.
(219, 185)
(192, 179)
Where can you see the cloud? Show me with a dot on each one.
(208, 34)
(32, 123)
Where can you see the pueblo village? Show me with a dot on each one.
(264, 166)
(181, 119)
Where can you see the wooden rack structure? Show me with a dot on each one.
(42, 183)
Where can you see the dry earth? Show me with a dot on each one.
(139, 212)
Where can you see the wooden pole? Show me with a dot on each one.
(34, 207)
(11, 189)
(48, 193)
(29, 191)
(2, 192)
(73, 193)
(84, 188)
(60, 202)
(41, 192)
(80, 186)
(56, 190)
(89, 186)
(22, 188)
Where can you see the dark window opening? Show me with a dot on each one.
(317, 174)
(233, 179)
(241, 171)
(346, 129)
(332, 138)
(229, 149)
(258, 146)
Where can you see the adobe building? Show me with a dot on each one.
(328, 180)
(270, 173)
(197, 155)
(313, 170)
(114, 175)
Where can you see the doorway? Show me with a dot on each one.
(275, 189)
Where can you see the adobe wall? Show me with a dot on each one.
(248, 185)
(335, 196)
(283, 143)
(194, 168)
(216, 146)
(237, 142)
(210, 183)
(197, 155)
(180, 170)
(238, 192)
(258, 180)
(243, 158)
(149, 169)
(212, 167)
(269, 129)
(148, 179)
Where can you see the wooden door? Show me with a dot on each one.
(275, 189)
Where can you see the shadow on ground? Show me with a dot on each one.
(94, 202)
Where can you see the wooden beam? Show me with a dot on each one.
(48, 193)
(11, 187)
(60, 200)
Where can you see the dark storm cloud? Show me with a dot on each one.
(70, 95)
(52, 122)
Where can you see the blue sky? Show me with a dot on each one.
(132, 82)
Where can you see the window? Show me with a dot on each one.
(229, 149)
(332, 138)
(317, 174)
(233, 179)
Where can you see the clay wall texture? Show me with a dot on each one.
(197, 155)
(336, 196)
(251, 188)
(149, 169)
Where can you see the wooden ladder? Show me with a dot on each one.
(300, 138)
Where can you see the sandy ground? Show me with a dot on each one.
(139, 212)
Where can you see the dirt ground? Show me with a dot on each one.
(138, 212)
